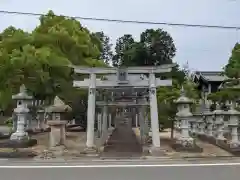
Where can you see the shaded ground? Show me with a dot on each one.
(122, 143)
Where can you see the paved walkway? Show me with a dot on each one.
(122, 143)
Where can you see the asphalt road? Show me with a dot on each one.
(120, 171)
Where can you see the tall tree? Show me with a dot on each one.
(40, 59)
(159, 45)
(232, 69)
(105, 47)
(123, 45)
(156, 47)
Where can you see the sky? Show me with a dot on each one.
(204, 49)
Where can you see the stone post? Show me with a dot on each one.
(105, 119)
(40, 120)
(99, 120)
(57, 133)
(21, 113)
(110, 120)
(154, 114)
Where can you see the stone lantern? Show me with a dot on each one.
(58, 123)
(219, 122)
(208, 116)
(22, 114)
(234, 125)
(184, 115)
(59, 109)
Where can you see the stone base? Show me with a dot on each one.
(180, 146)
(235, 150)
(154, 151)
(18, 143)
(90, 151)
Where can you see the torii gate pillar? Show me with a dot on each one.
(91, 112)
(154, 114)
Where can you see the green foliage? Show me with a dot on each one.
(232, 69)
(166, 97)
(40, 59)
(230, 89)
(105, 46)
(156, 47)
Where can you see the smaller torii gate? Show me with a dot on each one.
(92, 83)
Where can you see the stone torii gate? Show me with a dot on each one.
(151, 83)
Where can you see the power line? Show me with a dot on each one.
(129, 21)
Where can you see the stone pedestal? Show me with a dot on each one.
(58, 133)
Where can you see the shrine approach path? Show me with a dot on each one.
(122, 143)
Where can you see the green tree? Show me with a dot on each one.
(105, 47)
(156, 47)
(230, 88)
(232, 69)
(123, 45)
(40, 59)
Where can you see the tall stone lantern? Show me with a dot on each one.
(234, 125)
(22, 114)
(219, 122)
(184, 115)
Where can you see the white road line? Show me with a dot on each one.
(117, 166)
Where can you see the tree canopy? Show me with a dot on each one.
(156, 47)
(231, 87)
(40, 59)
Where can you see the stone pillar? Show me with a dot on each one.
(104, 123)
(105, 118)
(154, 112)
(91, 112)
(110, 120)
(136, 119)
(141, 122)
(58, 133)
(40, 120)
(99, 121)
